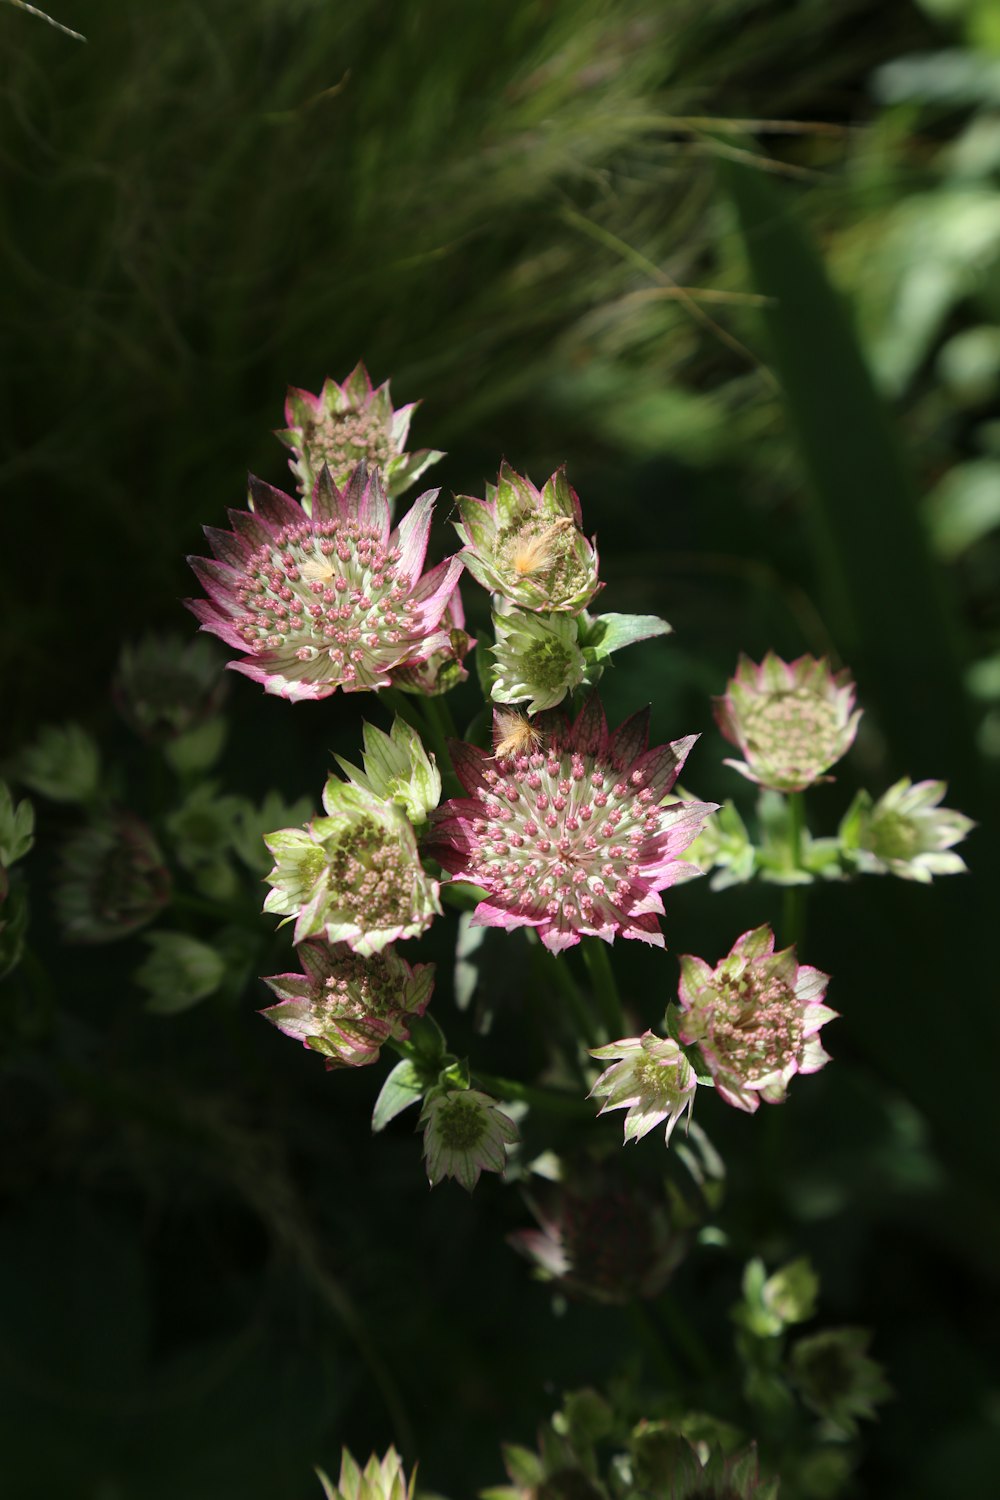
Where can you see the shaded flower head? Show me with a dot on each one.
(527, 545)
(112, 880)
(790, 720)
(327, 600)
(62, 762)
(444, 668)
(837, 1379)
(601, 1238)
(345, 425)
(905, 833)
(538, 658)
(651, 1078)
(353, 876)
(756, 1018)
(166, 685)
(380, 1479)
(671, 1466)
(465, 1132)
(345, 1006)
(570, 833)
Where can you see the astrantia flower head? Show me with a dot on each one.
(112, 880)
(651, 1078)
(335, 599)
(538, 658)
(600, 1238)
(354, 876)
(346, 424)
(346, 1007)
(571, 832)
(464, 1134)
(837, 1379)
(668, 1464)
(755, 1017)
(380, 1479)
(905, 833)
(527, 544)
(790, 720)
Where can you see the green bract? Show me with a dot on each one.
(380, 1479)
(354, 876)
(905, 833)
(17, 828)
(179, 972)
(397, 769)
(63, 764)
(527, 545)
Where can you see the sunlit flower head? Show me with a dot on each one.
(327, 601)
(571, 833)
(906, 832)
(651, 1078)
(112, 879)
(353, 876)
(527, 545)
(755, 1017)
(346, 1007)
(346, 424)
(465, 1133)
(790, 720)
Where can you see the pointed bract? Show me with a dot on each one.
(905, 833)
(465, 1132)
(651, 1078)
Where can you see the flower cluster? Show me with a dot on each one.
(651, 1078)
(327, 600)
(380, 1479)
(465, 1132)
(572, 833)
(906, 832)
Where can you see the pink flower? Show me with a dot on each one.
(790, 720)
(444, 669)
(756, 1018)
(570, 833)
(345, 424)
(327, 601)
(345, 1006)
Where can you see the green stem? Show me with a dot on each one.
(794, 906)
(595, 956)
(554, 1101)
(654, 1348)
(553, 969)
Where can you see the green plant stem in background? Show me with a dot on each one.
(595, 956)
(551, 1101)
(557, 973)
(683, 1334)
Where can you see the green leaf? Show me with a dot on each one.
(401, 1089)
(607, 633)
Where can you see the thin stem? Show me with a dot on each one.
(554, 1101)
(439, 726)
(794, 906)
(595, 956)
(556, 971)
(654, 1347)
(684, 1334)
